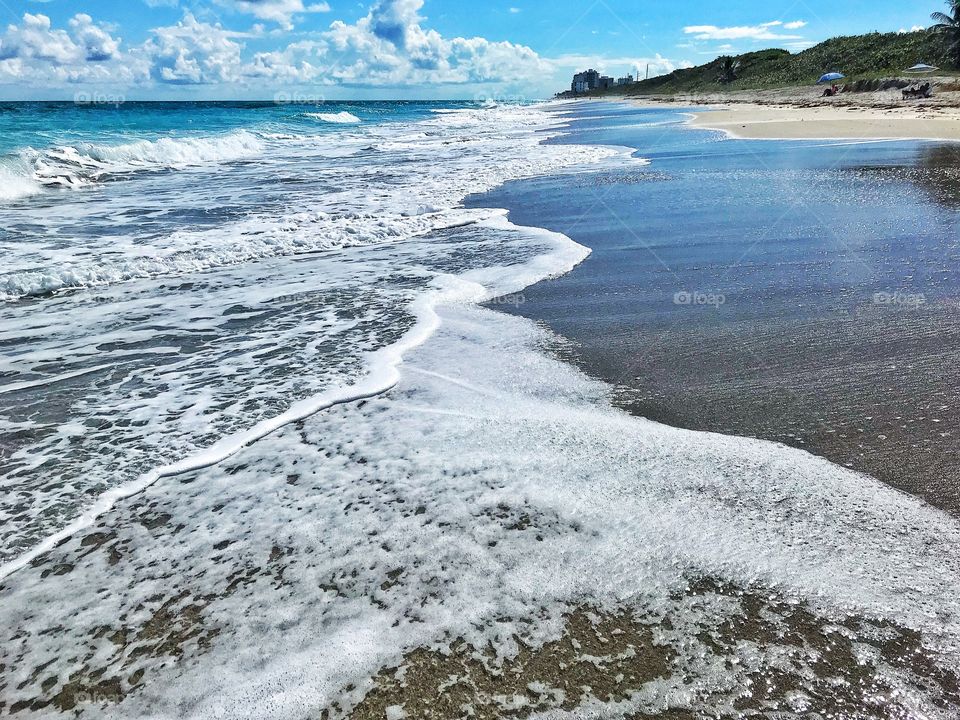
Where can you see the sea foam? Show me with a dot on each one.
(84, 164)
(17, 183)
(482, 500)
(207, 282)
(481, 490)
(375, 198)
(339, 118)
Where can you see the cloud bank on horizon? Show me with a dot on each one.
(387, 47)
(387, 50)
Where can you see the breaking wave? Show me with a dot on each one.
(84, 164)
(340, 118)
(16, 184)
(365, 204)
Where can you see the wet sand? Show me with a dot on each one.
(820, 303)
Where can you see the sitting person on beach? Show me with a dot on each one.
(921, 91)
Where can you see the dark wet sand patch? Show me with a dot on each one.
(809, 666)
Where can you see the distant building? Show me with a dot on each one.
(628, 80)
(585, 81)
(592, 80)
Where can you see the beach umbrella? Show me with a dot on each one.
(921, 68)
(831, 77)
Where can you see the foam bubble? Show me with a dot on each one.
(184, 408)
(491, 489)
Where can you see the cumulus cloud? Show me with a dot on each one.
(193, 53)
(97, 43)
(34, 39)
(36, 52)
(387, 47)
(278, 11)
(390, 47)
(764, 31)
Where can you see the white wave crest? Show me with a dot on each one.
(464, 151)
(83, 164)
(340, 118)
(16, 184)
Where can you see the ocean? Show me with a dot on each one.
(267, 436)
(177, 274)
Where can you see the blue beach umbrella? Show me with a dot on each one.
(831, 77)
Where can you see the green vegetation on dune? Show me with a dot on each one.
(858, 57)
(948, 26)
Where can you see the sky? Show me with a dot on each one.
(311, 50)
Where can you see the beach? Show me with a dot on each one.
(463, 409)
(828, 323)
(803, 114)
(831, 122)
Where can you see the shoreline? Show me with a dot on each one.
(761, 122)
(560, 553)
(789, 379)
(802, 114)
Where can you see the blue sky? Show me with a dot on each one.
(393, 48)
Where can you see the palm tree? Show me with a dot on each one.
(949, 25)
(730, 67)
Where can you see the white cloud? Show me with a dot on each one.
(193, 53)
(278, 11)
(11, 69)
(389, 47)
(97, 43)
(795, 25)
(34, 39)
(743, 32)
(35, 53)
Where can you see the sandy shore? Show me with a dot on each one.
(810, 123)
(816, 345)
(802, 114)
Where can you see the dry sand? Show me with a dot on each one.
(802, 114)
(809, 123)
